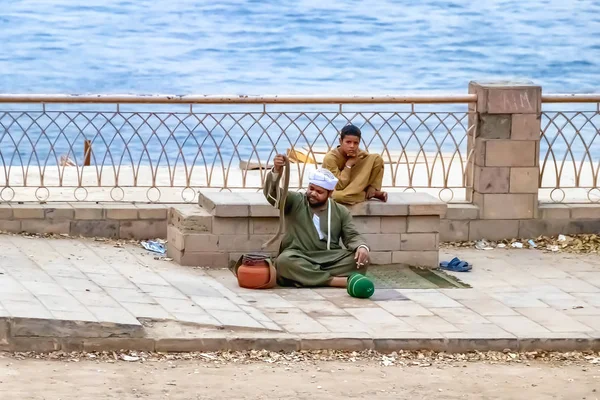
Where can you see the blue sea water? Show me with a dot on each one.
(301, 46)
(271, 47)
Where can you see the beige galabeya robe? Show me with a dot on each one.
(354, 182)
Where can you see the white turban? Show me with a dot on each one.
(323, 178)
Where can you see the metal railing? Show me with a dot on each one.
(570, 149)
(117, 148)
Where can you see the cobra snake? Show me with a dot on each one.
(280, 201)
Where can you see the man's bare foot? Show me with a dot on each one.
(338, 281)
(370, 192)
(379, 195)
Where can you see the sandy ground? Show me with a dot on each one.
(181, 379)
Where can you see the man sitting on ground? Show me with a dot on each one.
(310, 253)
(360, 174)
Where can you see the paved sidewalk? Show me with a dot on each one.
(516, 294)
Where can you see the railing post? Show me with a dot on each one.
(87, 152)
(506, 150)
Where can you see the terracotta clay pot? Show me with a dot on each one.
(254, 273)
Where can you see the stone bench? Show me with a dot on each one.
(226, 225)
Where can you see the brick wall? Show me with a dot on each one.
(405, 230)
(111, 220)
(462, 222)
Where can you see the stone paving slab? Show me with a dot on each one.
(70, 293)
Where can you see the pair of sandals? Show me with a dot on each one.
(456, 265)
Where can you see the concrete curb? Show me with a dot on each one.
(15, 327)
(240, 341)
(178, 345)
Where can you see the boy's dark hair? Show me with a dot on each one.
(350, 130)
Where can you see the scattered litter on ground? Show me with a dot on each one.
(154, 246)
(129, 358)
(483, 245)
(580, 244)
(120, 242)
(399, 358)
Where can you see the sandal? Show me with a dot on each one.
(456, 265)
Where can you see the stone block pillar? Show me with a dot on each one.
(505, 172)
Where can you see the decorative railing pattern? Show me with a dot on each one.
(120, 148)
(570, 148)
(74, 151)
